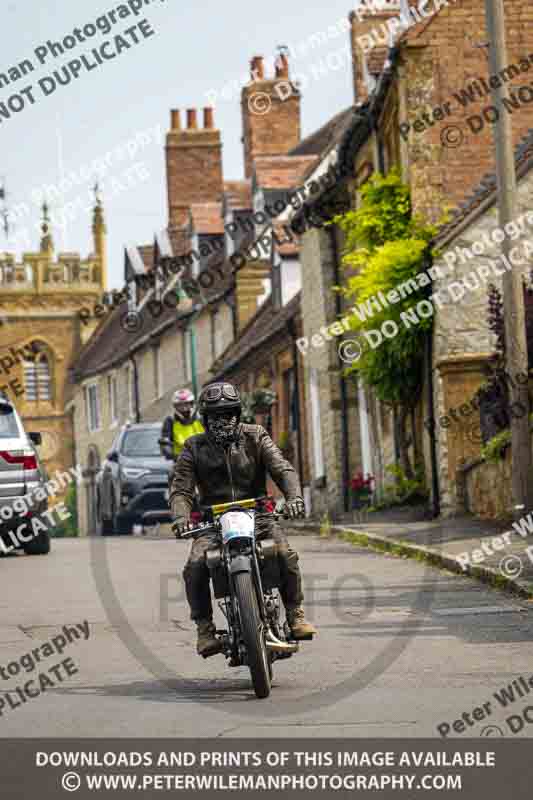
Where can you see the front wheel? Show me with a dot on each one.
(253, 634)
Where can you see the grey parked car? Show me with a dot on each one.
(21, 474)
(132, 486)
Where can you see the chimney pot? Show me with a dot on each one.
(209, 121)
(192, 123)
(282, 66)
(257, 68)
(175, 120)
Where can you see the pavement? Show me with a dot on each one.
(402, 648)
(491, 551)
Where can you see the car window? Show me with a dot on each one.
(142, 443)
(8, 423)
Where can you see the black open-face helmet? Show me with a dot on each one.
(219, 398)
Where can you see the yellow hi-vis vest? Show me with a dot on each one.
(181, 432)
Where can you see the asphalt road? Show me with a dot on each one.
(402, 648)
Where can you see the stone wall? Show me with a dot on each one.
(487, 489)
(439, 62)
(463, 342)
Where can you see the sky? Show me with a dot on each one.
(197, 56)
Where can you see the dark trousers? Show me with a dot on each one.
(196, 574)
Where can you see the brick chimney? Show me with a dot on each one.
(194, 164)
(369, 30)
(270, 113)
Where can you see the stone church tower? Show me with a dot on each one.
(41, 332)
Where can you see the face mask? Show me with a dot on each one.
(222, 429)
(184, 413)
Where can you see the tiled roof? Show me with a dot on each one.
(485, 194)
(281, 172)
(327, 136)
(238, 194)
(207, 218)
(265, 324)
(110, 344)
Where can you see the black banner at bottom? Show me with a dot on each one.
(296, 768)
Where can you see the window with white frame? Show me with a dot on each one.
(92, 407)
(112, 396)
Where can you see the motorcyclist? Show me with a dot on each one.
(230, 462)
(177, 429)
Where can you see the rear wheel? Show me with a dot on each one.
(107, 525)
(253, 634)
(123, 525)
(39, 545)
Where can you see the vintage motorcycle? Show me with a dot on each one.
(245, 576)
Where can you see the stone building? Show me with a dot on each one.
(40, 300)
(210, 222)
(464, 344)
(421, 97)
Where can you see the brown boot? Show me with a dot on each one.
(207, 644)
(300, 628)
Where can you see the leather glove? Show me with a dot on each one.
(295, 508)
(180, 526)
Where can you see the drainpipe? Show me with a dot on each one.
(345, 439)
(291, 327)
(432, 427)
(136, 388)
(194, 376)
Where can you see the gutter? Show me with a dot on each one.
(291, 327)
(345, 436)
(136, 389)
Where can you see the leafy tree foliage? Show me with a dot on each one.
(387, 246)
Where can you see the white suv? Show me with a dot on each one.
(21, 474)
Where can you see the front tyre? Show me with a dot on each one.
(253, 634)
(38, 546)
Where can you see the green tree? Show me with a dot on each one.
(388, 246)
(69, 527)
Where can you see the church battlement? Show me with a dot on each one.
(37, 272)
(42, 273)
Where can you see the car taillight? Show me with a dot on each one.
(16, 457)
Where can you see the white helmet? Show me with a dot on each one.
(182, 396)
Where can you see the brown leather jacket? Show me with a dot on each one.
(235, 474)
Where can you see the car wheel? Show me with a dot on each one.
(123, 524)
(39, 546)
(107, 525)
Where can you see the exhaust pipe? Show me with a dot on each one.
(275, 644)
